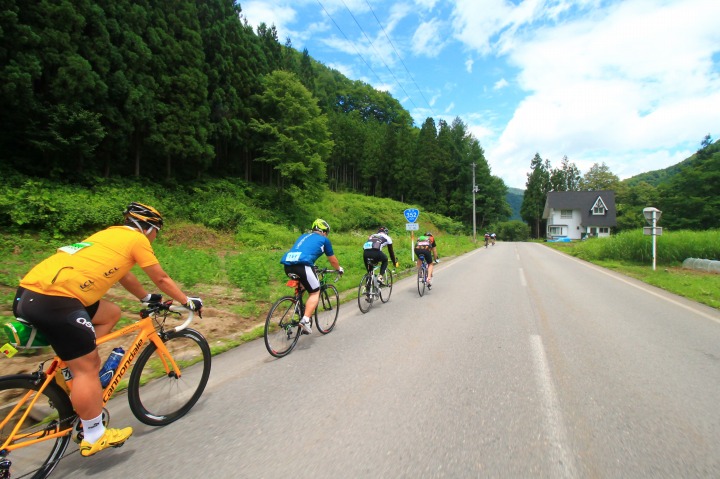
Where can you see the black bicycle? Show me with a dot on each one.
(371, 288)
(422, 274)
(282, 326)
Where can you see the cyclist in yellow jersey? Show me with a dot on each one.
(62, 298)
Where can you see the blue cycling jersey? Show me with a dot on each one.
(307, 249)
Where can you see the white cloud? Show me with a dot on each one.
(343, 68)
(469, 65)
(624, 85)
(500, 84)
(428, 40)
(272, 13)
(426, 4)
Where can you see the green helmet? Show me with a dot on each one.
(321, 225)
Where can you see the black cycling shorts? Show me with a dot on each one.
(65, 322)
(306, 274)
(426, 252)
(376, 255)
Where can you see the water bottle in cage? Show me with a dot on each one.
(110, 366)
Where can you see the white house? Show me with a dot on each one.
(576, 214)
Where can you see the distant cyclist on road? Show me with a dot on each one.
(300, 261)
(487, 238)
(62, 297)
(493, 237)
(424, 247)
(372, 249)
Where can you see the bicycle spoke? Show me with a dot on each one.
(386, 289)
(328, 308)
(365, 297)
(51, 413)
(166, 396)
(282, 328)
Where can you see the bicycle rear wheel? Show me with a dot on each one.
(421, 279)
(52, 412)
(386, 288)
(282, 326)
(167, 397)
(327, 310)
(365, 296)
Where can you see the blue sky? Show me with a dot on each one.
(634, 84)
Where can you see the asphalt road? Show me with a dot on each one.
(521, 362)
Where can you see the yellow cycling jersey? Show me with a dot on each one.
(88, 269)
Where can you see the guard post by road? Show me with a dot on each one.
(652, 216)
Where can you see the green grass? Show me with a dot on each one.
(631, 254)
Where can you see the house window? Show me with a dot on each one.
(565, 213)
(555, 230)
(599, 207)
(604, 230)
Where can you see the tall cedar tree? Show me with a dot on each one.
(536, 190)
(295, 137)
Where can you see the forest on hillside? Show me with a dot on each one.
(182, 91)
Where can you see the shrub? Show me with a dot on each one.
(634, 246)
(513, 231)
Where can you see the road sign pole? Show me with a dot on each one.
(411, 214)
(412, 245)
(652, 216)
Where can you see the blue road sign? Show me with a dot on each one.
(411, 214)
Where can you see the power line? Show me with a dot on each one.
(400, 57)
(349, 41)
(378, 53)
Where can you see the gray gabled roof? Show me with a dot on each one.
(583, 201)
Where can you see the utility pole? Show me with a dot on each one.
(475, 189)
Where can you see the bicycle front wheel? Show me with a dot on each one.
(327, 310)
(282, 326)
(164, 396)
(51, 413)
(421, 280)
(365, 297)
(386, 288)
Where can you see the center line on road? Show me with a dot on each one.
(523, 281)
(563, 465)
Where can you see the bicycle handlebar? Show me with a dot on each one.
(338, 273)
(168, 306)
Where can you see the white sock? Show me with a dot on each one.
(93, 429)
(305, 319)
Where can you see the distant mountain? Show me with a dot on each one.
(515, 198)
(658, 177)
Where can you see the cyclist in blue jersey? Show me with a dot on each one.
(300, 260)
